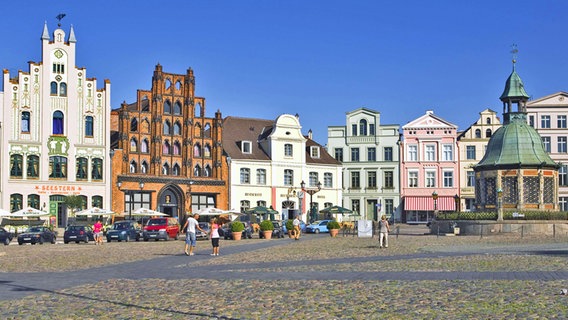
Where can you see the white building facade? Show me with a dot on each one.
(269, 160)
(55, 133)
(369, 152)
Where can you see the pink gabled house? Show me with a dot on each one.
(429, 168)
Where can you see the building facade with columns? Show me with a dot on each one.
(168, 156)
(269, 160)
(54, 132)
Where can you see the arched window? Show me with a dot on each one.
(97, 170)
(177, 148)
(207, 131)
(363, 127)
(478, 133)
(166, 169)
(166, 147)
(53, 88)
(178, 85)
(88, 126)
(197, 170)
(207, 151)
(176, 170)
(488, 120)
(167, 107)
(63, 89)
(58, 122)
(81, 169)
(57, 167)
(197, 150)
(33, 166)
(133, 145)
(177, 107)
(26, 122)
(488, 133)
(177, 128)
(207, 171)
(16, 166)
(97, 201)
(167, 128)
(33, 201)
(144, 167)
(144, 146)
(145, 126)
(145, 105)
(15, 202)
(168, 84)
(134, 125)
(132, 166)
(197, 109)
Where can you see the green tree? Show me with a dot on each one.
(73, 202)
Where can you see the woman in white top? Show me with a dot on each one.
(215, 236)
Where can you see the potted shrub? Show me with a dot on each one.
(290, 227)
(333, 227)
(237, 229)
(266, 227)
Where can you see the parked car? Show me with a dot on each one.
(317, 226)
(35, 235)
(302, 227)
(161, 228)
(6, 236)
(78, 234)
(226, 232)
(202, 235)
(124, 230)
(277, 232)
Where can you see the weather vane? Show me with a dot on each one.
(59, 17)
(514, 51)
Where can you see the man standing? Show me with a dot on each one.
(297, 229)
(384, 230)
(190, 240)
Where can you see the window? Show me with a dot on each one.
(430, 179)
(355, 205)
(448, 152)
(167, 107)
(430, 153)
(97, 201)
(315, 152)
(177, 106)
(371, 129)
(97, 170)
(477, 134)
(16, 166)
(355, 154)
(355, 180)
(470, 179)
(59, 68)
(88, 126)
(288, 150)
(57, 167)
(33, 201)
(197, 150)
(448, 179)
(363, 127)
(167, 127)
(197, 170)
(81, 169)
(561, 122)
(389, 206)
(388, 153)
(371, 154)
(545, 122)
(470, 152)
(261, 177)
(53, 88)
(57, 122)
(313, 179)
(246, 147)
(245, 176)
(389, 179)
(563, 203)
(328, 180)
(144, 146)
(562, 147)
(546, 143)
(207, 151)
(166, 148)
(372, 179)
(562, 176)
(25, 122)
(133, 145)
(488, 133)
(531, 121)
(33, 166)
(177, 148)
(288, 177)
(413, 179)
(338, 154)
(132, 167)
(166, 169)
(207, 171)
(134, 125)
(63, 89)
(354, 129)
(488, 120)
(177, 128)
(144, 167)
(413, 153)
(15, 202)
(245, 205)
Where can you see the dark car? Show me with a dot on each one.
(124, 230)
(277, 232)
(78, 234)
(36, 235)
(6, 236)
(226, 232)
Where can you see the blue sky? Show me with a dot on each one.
(317, 58)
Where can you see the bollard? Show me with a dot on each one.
(438, 235)
(554, 231)
(522, 231)
(397, 231)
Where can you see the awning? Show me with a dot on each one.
(427, 203)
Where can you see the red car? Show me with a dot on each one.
(161, 228)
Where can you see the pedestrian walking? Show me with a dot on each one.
(215, 236)
(190, 240)
(98, 232)
(297, 229)
(384, 230)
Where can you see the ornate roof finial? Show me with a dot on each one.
(514, 52)
(59, 17)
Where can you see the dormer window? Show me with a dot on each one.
(314, 152)
(246, 147)
(288, 150)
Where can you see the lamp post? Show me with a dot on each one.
(499, 204)
(435, 198)
(311, 192)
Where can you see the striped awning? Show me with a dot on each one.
(427, 203)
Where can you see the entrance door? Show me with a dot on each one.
(372, 210)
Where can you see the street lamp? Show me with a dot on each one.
(311, 192)
(499, 204)
(435, 198)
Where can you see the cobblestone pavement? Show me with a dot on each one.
(418, 277)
